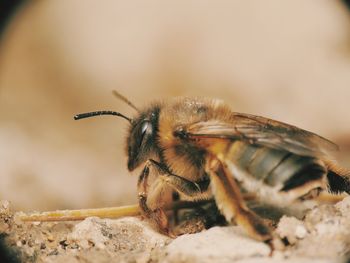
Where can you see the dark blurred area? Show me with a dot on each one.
(287, 61)
(347, 3)
(7, 10)
(7, 255)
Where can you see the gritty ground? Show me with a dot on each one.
(323, 235)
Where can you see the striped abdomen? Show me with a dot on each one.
(278, 169)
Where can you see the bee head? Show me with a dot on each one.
(141, 139)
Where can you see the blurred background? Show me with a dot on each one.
(287, 60)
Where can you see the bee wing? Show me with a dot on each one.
(266, 132)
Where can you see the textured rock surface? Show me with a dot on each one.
(322, 236)
(222, 244)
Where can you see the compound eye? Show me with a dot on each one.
(144, 128)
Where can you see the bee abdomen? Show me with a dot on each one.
(275, 168)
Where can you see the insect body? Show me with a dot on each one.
(201, 149)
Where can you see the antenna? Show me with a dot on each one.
(121, 97)
(98, 113)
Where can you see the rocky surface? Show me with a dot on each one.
(322, 236)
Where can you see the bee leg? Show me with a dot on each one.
(155, 212)
(330, 198)
(231, 203)
(177, 183)
(182, 185)
(152, 201)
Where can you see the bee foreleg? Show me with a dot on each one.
(178, 183)
(152, 207)
(231, 203)
(182, 185)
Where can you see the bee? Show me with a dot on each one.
(201, 149)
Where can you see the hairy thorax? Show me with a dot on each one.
(183, 158)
